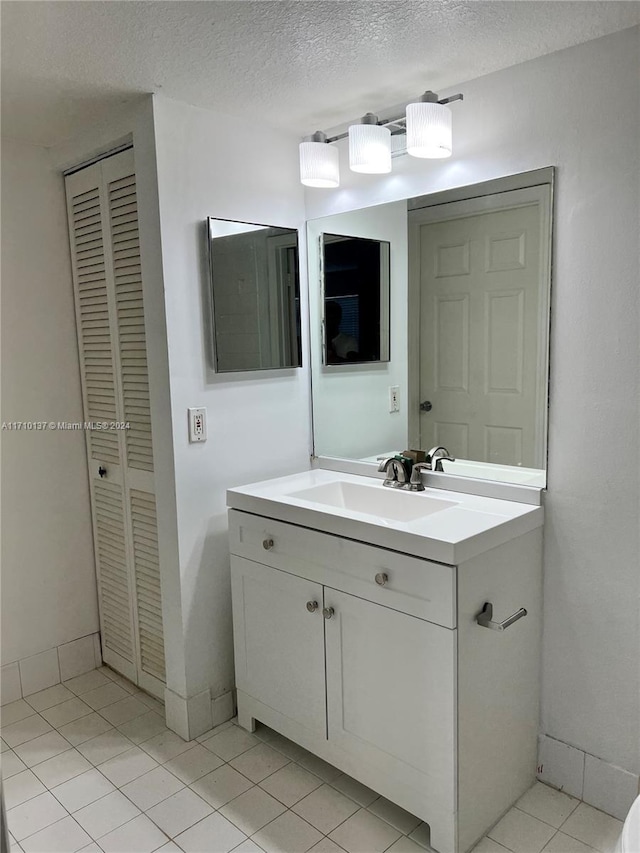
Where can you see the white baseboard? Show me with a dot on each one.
(188, 718)
(578, 773)
(223, 708)
(37, 672)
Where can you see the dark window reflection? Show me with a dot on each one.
(356, 299)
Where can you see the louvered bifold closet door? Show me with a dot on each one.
(97, 337)
(103, 220)
(131, 356)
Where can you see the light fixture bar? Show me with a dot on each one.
(401, 119)
(450, 100)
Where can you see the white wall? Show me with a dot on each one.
(351, 415)
(578, 110)
(258, 423)
(48, 570)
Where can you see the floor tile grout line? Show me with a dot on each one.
(559, 828)
(49, 790)
(124, 794)
(55, 704)
(127, 822)
(58, 821)
(535, 817)
(53, 794)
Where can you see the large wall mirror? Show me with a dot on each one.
(469, 332)
(255, 296)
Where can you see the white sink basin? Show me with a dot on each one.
(375, 500)
(448, 527)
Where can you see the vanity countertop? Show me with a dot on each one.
(454, 527)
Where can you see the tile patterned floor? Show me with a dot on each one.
(89, 765)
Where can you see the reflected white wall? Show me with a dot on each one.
(351, 415)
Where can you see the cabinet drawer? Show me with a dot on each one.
(414, 586)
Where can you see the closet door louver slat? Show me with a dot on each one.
(131, 330)
(147, 574)
(94, 328)
(113, 578)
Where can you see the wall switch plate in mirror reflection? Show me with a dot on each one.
(470, 278)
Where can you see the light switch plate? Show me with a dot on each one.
(394, 398)
(197, 424)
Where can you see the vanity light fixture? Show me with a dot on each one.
(429, 127)
(319, 162)
(427, 124)
(370, 146)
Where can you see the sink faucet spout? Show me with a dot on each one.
(396, 473)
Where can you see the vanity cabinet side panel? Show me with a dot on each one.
(279, 642)
(498, 683)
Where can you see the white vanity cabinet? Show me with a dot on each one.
(373, 660)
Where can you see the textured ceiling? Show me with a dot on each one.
(297, 65)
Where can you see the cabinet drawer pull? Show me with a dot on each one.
(382, 578)
(328, 612)
(267, 544)
(312, 606)
(485, 618)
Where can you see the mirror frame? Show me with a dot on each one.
(296, 321)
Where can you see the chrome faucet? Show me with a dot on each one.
(434, 463)
(396, 473)
(436, 456)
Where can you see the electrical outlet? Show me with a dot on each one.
(394, 398)
(197, 424)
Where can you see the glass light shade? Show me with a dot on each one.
(369, 149)
(319, 165)
(428, 130)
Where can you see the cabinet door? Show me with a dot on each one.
(391, 694)
(279, 642)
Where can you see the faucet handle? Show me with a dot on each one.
(418, 467)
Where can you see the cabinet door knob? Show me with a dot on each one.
(267, 544)
(381, 578)
(312, 606)
(102, 471)
(328, 612)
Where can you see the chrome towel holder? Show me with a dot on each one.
(485, 618)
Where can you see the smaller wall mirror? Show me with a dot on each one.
(355, 283)
(255, 296)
